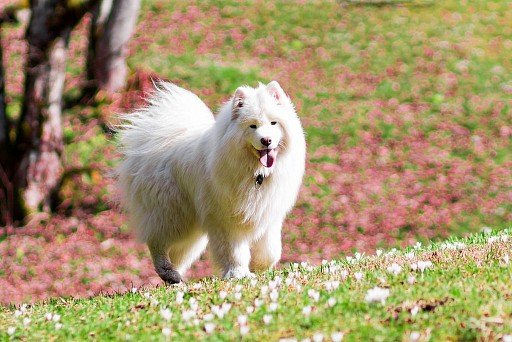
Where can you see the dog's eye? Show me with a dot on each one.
(253, 126)
(273, 122)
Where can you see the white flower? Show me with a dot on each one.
(337, 336)
(250, 309)
(487, 230)
(411, 279)
(324, 262)
(394, 269)
(315, 295)
(186, 315)
(244, 330)
(358, 256)
(179, 297)
(58, 326)
(379, 252)
(197, 286)
(274, 296)
(272, 307)
(331, 302)
(410, 255)
(423, 265)
(154, 302)
(417, 245)
(238, 288)
(238, 295)
(242, 319)
(18, 313)
(11, 331)
(264, 290)
(377, 294)
(166, 331)
(506, 259)
(258, 302)
(208, 317)
(49, 316)
(331, 285)
(166, 314)
(414, 336)
(223, 294)
(272, 285)
(507, 338)
(146, 295)
(253, 282)
(134, 290)
(209, 327)
(415, 310)
(306, 311)
(358, 275)
(217, 311)
(26, 321)
(267, 319)
(304, 264)
(493, 239)
(226, 307)
(318, 337)
(344, 274)
(56, 318)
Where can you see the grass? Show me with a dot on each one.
(407, 111)
(463, 295)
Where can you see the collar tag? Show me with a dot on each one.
(258, 181)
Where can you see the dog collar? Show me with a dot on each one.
(258, 180)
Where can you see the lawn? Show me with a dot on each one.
(407, 110)
(454, 290)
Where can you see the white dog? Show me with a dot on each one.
(188, 180)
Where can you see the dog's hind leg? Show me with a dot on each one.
(163, 265)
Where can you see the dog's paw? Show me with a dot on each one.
(169, 275)
(238, 273)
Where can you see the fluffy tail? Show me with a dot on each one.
(172, 113)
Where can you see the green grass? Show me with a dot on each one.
(464, 295)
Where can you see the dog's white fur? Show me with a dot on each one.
(188, 180)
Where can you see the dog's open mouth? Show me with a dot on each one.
(268, 157)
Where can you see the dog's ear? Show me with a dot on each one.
(238, 102)
(277, 92)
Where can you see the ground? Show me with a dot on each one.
(406, 108)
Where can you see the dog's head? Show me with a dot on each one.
(262, 115)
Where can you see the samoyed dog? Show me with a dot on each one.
(189, 180)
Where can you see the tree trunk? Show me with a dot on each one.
(6, 190)
(113, 25)
(4, 124)
(35, 166)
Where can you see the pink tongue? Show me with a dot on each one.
(267, 157)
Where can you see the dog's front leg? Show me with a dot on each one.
(232, 256)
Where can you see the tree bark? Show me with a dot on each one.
(6, 190)
(4, 124)
(112, 27)
(35, 166)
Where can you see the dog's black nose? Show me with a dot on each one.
(266, 141)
